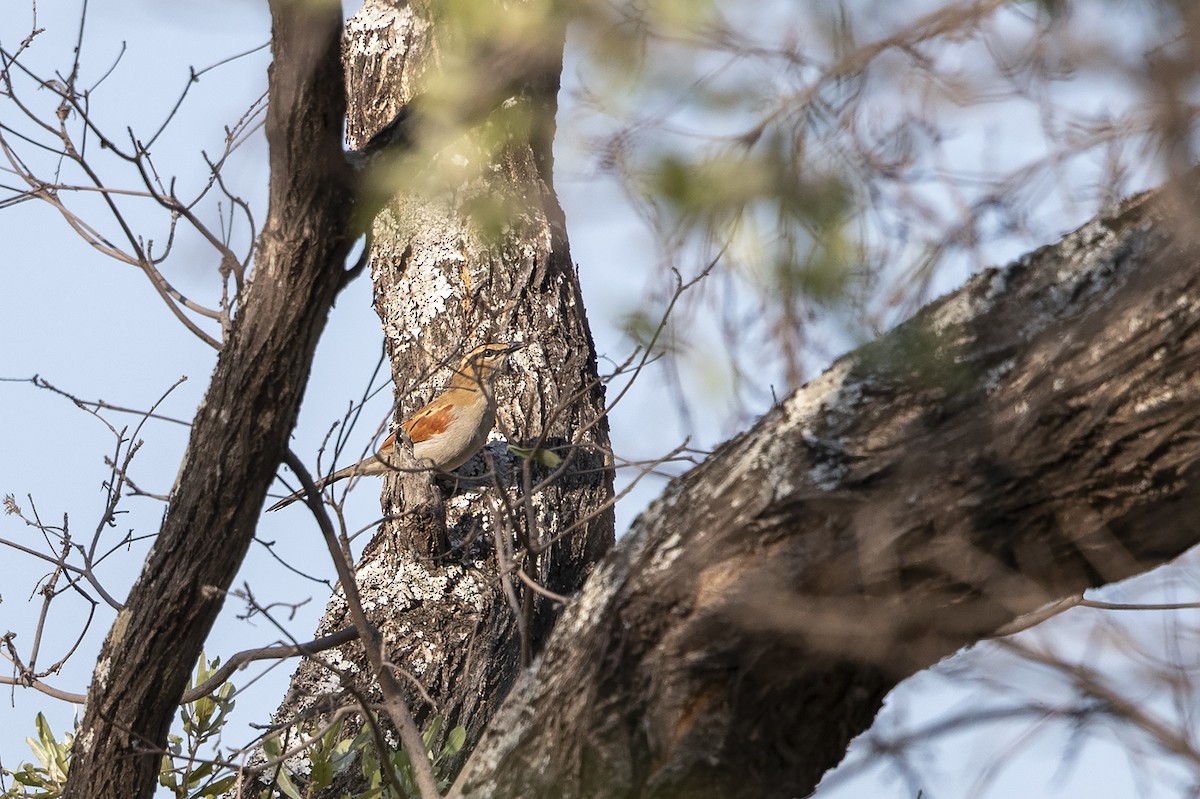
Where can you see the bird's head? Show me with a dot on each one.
(481, 364)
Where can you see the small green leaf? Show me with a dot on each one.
(200, 774)
(455, 742)
(271, 747)
(431, 732)
(284, 781)
(45, 734)
(537, 455)
(166, 774)
(218, 788)
(370, 770)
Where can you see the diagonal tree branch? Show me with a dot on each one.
(1029, 436)
(241, 429)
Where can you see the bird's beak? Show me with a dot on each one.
(514, 347)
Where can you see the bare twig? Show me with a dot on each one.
(395, 702)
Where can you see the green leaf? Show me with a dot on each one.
(200, 774)
(370, 770)
(284, 781)
(39, 751)
(45, 734)
(342, 756)
(166, 774)
(537, 455)
(455, 742)
(431, 732)
(217, 788)
(321, 773)
(271, 747)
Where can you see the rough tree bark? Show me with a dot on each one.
(472, 249)
(243, 424)
(1029, 436)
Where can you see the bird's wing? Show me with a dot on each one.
(426, 423)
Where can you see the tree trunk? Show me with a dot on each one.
(1029, 436)
(473, 249)
(241, 428)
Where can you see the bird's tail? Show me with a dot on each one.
(340, 474)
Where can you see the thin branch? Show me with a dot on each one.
(395, 703)
(267, 653)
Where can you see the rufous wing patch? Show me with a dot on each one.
(429, 422)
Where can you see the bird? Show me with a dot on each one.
(446, 431)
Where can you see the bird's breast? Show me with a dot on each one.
(452, 435)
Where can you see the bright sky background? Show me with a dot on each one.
(95, 328)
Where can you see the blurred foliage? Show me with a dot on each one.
(842, 163)
(648, 331)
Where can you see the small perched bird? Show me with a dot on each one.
(447, 431)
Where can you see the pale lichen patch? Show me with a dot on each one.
(828, 476)
(599, 589)
(101, 674)
(373, 17)
(1153, 401)
(469, 592)
(955, 311)
(820, 394)
(666, 552)
(997, 374)
(329, 681)
(434, 291)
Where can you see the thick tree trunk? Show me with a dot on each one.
(242, 426)
(1029, 436)
(473, 249)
